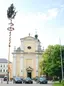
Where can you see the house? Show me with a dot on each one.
(4, 67)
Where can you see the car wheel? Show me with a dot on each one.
(31, 82)
(46, 82)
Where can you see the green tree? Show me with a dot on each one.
(51, 64)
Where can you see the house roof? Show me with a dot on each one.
(3, 60)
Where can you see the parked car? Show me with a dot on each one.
(22, 78)
(17, 80)
(36, 78)
(28, 80)
(5, 78)
(42, 80)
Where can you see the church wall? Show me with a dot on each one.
(40, 58)
(21, 65)
(29, 60)
(14, 65)
(18, 65)
(29, 43)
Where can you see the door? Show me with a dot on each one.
(29, 74)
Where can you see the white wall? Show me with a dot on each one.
(21, 65)
(3, 68)
(14, 64)
(36, 65)
(36, 45)
(22, 45)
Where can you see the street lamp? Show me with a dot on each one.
(11, 13)
(61, 59)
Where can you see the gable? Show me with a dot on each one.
(29, 69)
(28, 38)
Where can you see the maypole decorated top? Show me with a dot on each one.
(11, 13)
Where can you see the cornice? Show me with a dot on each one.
(27, 52)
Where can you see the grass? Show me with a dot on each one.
(57, 84)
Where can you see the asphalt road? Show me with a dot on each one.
(34, 83)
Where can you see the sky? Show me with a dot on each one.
(46, 17)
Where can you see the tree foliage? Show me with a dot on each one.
(11, 12)
(51, 63)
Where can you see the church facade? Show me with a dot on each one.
(26, 57)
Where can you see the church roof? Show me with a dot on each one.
(29, 38)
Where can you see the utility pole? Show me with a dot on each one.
(61, 59)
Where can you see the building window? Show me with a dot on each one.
(4, 65)
(1, 65)
(4, 70)
(29, 47)
(0, 70)
(21, 70)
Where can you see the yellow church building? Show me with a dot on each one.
(26, 57)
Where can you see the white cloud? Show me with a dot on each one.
(52, 13)
(62, 6)
(33, 19)
(27, 22)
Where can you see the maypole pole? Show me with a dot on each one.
(11, 15)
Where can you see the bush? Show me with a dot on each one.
(62, 82)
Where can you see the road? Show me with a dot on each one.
(34, 83)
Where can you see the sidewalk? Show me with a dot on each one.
(5, 82)
(50, 82)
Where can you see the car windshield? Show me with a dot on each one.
(28, 78)
(5, 76)
(17, 78)
(42, 78)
